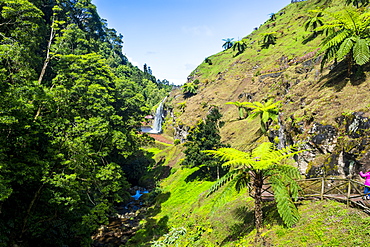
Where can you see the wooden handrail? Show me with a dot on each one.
(332, 188)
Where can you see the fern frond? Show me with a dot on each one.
(361, 52)
(239, 163)
(286, 208)
(290, 171)
(262, 150)
(226, 154)
(335, 39)
(345, 48)
(241, 181)
(265, 116)
(222, 181)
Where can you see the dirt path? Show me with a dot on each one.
(161, 138)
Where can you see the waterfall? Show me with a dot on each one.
(158, 119)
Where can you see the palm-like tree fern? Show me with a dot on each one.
(268, 39)
(272, 16)
(228, 43)
(315, 21)
(349, 38)
(268, 112)
(240, 46)
(252, 169)
(241, 107)
(189, 88)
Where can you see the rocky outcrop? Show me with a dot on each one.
(341, 150)
(181, 132)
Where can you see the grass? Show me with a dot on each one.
(226, 217)
(312, 95)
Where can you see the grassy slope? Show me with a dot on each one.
(314, 94)
(225, 219)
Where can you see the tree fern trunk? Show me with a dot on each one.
(257, 184)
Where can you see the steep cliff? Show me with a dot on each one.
(324, 108)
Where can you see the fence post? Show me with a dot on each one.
(322, 188)
(348, 192)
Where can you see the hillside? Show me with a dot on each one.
(290, 72)
(326, 110)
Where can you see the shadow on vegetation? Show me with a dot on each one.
(158, 172)
(206, 173)
(153, 228)
(338, 76)
(311, 37)
(136, 166)
(246, 216)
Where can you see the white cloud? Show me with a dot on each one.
(198, 30)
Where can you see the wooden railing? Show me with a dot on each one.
(345, 190)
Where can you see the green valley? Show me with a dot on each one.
(262, 146)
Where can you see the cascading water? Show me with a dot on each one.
(158, 119)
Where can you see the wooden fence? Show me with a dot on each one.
(344, 190)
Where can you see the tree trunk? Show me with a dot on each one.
(257, 185)
(47, 59)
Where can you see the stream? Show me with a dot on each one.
(124, 224)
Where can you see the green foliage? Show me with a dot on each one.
(241, 108)
(189, 88)
(228, 43)
(182, 106)
(71, 104)
(263, 163)
(208, 60)
(268, 39)
(268, 112)
(314, 21)
(170, 238)
(240, 46)
(204, 136)
(358, 3)
(346, 36)
(176, 142)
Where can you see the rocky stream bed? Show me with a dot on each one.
(124, 223)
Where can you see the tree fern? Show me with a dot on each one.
(250, 169)
(348, 36)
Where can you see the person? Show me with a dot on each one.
(367, 183)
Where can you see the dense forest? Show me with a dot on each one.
(71, 105)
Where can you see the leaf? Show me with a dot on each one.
(286, 208)
(222, 181)
(361, 52)
(345, 48)
(265, 116)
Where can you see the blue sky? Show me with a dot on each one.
(174, 36)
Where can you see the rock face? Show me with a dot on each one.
(334, 151)
(181, 132)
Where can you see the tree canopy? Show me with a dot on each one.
(71, 106)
